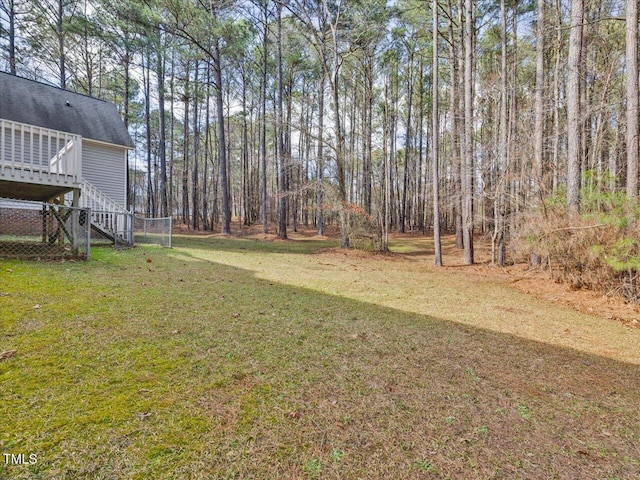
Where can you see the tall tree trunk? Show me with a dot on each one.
(282, 194)
(195, 214)
(215, 175)
(386, 171)
(300, 170)
(308, 145)
(60, 33)
(574, 113)
(146, 75)
(435, 142)
(171, 199)
(222, 145)
(408, 143)
(162, 127)
(467, 171)
(287, 100)
(632, 98)
(185, 149)
(454, 113)
(392, 164)
(246, 207)
(207, 149)
(228, 137)
(320, 159)
(126, 61)
(367, 173)
(263, 115)
(498, 246)
(422, 180)
(334, 82)
(556, 99)
(340, 162)
(86, 57)
(11, 13)
(586, 114)
(350, 152)
(538, 147)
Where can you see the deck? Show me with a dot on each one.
(38, 163)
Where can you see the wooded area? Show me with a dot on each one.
(507, 116)
(507, 125)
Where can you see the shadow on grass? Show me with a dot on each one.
(232, 244)
(287, 382)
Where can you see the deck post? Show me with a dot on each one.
(76, 197)
(60, 203)
(50, 223)
(44, 223)
(75, 219)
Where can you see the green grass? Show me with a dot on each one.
(229, 358)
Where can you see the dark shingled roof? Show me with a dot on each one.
(34, 103)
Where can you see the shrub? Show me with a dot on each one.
(599, 250)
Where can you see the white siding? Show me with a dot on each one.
(105, 167)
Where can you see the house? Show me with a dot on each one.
(54, 142)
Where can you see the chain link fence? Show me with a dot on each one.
(36, 230)
(123, 229)
(112, 228)
(155, 231)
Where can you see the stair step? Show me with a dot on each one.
(103, 208)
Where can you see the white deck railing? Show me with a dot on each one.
(94, 199)
(39, 155)
(105, 213)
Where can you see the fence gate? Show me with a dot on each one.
(152, 230)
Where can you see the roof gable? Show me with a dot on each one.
(34, 103)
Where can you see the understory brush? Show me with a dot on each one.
(599, 250)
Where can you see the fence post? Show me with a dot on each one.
(131, 238)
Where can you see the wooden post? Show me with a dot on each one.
(50, 219)
(45, 214)
(75, 219)
(76, 197)
(60, 211)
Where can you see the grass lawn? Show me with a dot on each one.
(238, 358)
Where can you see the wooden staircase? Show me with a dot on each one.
(107, 217)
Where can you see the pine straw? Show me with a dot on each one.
(596, 251)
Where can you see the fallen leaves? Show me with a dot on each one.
(8, 354)
(359, 336)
